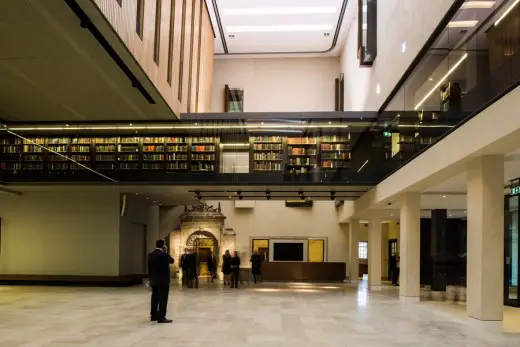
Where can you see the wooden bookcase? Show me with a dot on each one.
(302, 154)
(11, 154)
(204, 154)
(335, 152)
(176, 155)
(267, 153)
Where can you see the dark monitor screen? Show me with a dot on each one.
(288, 251)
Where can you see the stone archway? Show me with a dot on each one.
(206, 245)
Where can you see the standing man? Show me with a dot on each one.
(159, 274)
(184, 267)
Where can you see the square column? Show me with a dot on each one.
(410, 248)
(374, 253)
(485, 255)
(353, 240)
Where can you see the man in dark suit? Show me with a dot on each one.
(159, 274)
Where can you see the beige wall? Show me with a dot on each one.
(197, 64)
(60, 232)
(278, 85)
(273, 219)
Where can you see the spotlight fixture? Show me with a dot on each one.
(300, 192)
(332, 195)
(302, 197)
(268, 194)
(199, 197)
(240, 197)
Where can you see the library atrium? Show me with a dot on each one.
(263, 173)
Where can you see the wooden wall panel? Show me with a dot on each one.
(123, 20)
(194, 61)
(206, 66)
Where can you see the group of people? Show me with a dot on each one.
(189, 265)
(159, 262)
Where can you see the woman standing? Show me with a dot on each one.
(256, 266)
(235, 270)
(226, 267)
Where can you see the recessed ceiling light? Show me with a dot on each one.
(130, 124)
(280, 10)
(478, 4)
(509, 9)
(462, 23)
(403, 47)
(278, 28)
(431, 78)
(444, 196)
(378, 89)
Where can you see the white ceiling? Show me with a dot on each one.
(259, 14)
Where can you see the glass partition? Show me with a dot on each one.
(472, 63)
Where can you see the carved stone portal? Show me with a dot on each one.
(202, 229)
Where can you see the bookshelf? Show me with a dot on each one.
(33, 156)
(335, 152)
(105, 152)
(176, 154)
(58, 152)
(267, 153)
(80, 150)
(203, 154)
(11, 153)
(302, 154)
(128, 154)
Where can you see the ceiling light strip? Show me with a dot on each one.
(478, 4)
(462, 24)
(442, 80)
(61, 155)
(181, 127)
(504, 15)
(280, 10)
(278, 28)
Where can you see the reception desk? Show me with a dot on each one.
(300, 271)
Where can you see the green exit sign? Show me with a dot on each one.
(515, 190)
(387, 134)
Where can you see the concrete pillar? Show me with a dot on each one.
(353, 240)
(485, 255)
(410, 248)
(374, 253)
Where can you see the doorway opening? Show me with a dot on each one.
(392, 258)
(205, 245)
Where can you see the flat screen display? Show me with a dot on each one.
(288, 251)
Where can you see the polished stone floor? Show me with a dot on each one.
(267, 315)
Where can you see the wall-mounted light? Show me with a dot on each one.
(378, 88)
(403, 47)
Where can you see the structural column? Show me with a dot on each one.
(410, 248)
(485, 250)
(353, 240)
(439, 250)
(374, 253)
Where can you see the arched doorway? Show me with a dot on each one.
(205, 244)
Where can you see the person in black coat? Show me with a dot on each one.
(226, 267)
(211, 267)
(235, 270)
(256, 266)
(159, 275)
(184, 267)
